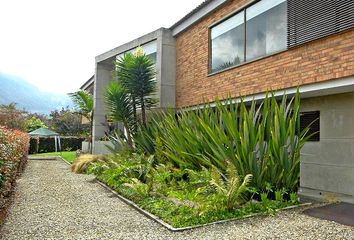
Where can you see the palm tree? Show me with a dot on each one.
(138, 76)
(118, 103)
(122, 70)
(83, 101)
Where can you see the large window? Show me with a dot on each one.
(256, 31)
(265, 28)
(228, 42)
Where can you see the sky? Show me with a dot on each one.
(53, 43)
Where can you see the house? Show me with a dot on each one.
(245, 48)
(89, 85)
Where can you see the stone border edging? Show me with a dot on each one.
(48, 158)
(58, 157)
(173, 229)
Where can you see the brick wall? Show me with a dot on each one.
(325, 59)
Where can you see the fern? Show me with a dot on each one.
(230, 186)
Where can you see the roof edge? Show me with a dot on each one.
(88, 83)
(130, 45)
(196, 15)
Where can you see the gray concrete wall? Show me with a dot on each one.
(166, 69)
(99, 147)
(166, 76)
(327, 166)
(102, 77)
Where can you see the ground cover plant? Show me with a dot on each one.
(69, 156)
(211, 163)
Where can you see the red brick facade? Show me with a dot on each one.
(321, 60)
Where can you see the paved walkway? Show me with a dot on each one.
(53, 203)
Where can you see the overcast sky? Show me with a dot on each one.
(53, 43)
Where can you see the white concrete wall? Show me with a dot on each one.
(327, 166)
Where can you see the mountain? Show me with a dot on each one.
(29, 97)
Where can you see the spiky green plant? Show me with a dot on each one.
(137, 74)
(260, 138)
(119, 108)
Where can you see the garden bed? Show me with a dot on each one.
(178, 229)
(209, 165)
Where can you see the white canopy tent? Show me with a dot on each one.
(44, 132)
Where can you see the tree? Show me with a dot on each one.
(34, 123)
(67, 123)
(12, 117)
(84, 103)
(120, 109)
(138, 76)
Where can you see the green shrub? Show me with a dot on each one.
(262, 139)
(13, 157)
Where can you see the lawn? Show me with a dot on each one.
(68, 156)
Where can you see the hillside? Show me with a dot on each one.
(29, 97)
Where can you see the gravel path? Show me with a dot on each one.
(53, 203)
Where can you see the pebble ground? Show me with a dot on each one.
(52, 203)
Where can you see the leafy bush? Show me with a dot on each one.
(13, 156)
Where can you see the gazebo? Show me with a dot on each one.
(44, 132)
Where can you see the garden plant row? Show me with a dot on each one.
(212, 163)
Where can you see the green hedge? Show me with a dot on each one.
(46, 144)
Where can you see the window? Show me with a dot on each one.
(150, 50)
(265, 28)
(228, 43)
(256, 31)
(311, 120)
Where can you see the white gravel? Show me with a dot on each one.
(53, 203)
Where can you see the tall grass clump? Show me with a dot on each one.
(259, 138)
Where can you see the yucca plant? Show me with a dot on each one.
(136, 72)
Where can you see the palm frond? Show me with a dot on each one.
(83, 101)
